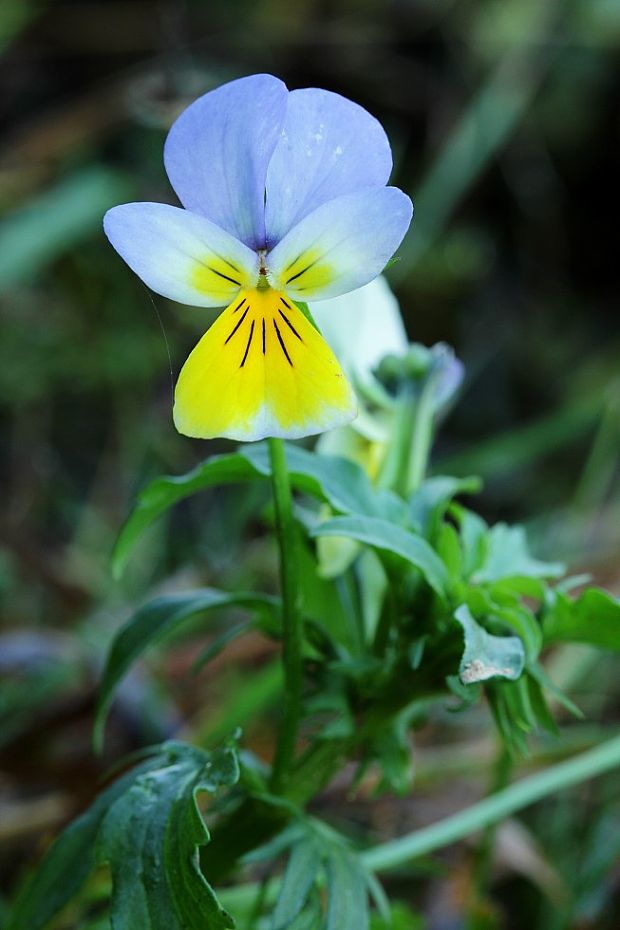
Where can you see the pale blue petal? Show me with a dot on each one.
(218, 150)
(181, 255)
(329, 146)
(341, 246)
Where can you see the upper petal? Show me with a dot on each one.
(180, 255)
(329, 146)
(342, 245)
(218, 150)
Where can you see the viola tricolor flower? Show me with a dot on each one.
(285, 201)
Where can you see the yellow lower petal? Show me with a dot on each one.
(261, 370)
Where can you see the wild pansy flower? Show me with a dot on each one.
(285, 200)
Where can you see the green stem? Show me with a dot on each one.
(292, 628)
(407, 459)
(421, 438)
(494, 808)
(399, 852)
(395, 468)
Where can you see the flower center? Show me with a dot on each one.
(263, 282)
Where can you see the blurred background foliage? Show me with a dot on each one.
(504, 117)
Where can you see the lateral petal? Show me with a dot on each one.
(342, 245)
(329, 146)
(180, 255)
(218, 150)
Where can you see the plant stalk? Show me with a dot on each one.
(494, 808)
(421, 438)
(292, 627)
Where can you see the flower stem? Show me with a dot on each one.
(292, 628)
(406, 463)
(421, 439)
(396, 466)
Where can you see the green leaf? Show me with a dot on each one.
(389, 537)
(539, 705)
(498, 604)
(69, 860)
(538, 673)
(312, 916)
(219, 643)
(347, 891)
(150, 839)
(473, 532)
(154, 622)
(448, 548)
(486, 656)
(430, 502)
(392, 749)
(302, 868)
(337, 481)
(593, 618)
(163, 492)
(508, 556)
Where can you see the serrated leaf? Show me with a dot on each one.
(389, 537)
(301, 870)
(150, 838)
(486, 656)
(337, 481)
(508, 556)
(154, 622)
(593, 618)
(347, 892)
(70, 859)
